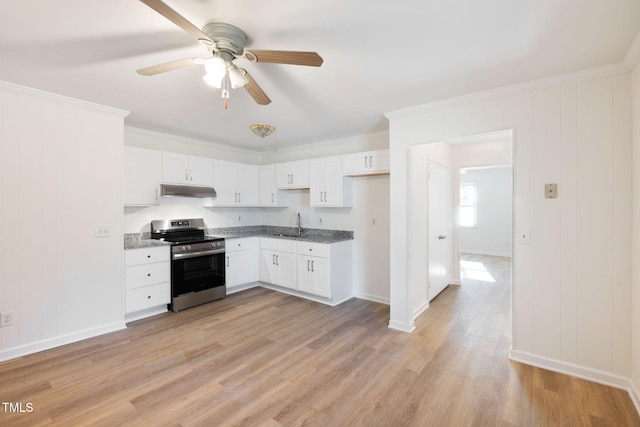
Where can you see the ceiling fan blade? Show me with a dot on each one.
(311, 59)
(173, 16)
(256, 91)
(168, 66)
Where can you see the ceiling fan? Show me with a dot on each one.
(226, 43)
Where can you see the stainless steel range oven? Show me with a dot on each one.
(197, 262)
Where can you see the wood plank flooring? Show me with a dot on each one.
(261, 358)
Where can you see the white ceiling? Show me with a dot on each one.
(379, 56)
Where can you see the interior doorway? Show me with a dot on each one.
(483, 198)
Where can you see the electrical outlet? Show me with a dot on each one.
(6, 318)
(103, 231)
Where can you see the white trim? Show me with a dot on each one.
(502, 254)
(186, 140)
(142, 314)
(401, 326)
(242, 287)
(634, 394)
(590, 374)
(633, 54)
(373, 298)
(505, 91)
(50, 343)
(37, 93)
(421, 309)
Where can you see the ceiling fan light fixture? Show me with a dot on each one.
(237, 77)
(262, 130)
(216, 68)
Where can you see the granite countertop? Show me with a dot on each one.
(314, 235)
(141, 240)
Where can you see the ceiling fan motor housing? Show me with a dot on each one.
(227, 38)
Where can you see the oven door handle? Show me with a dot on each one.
(197, 254)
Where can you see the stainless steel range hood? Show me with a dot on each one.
(187, 191)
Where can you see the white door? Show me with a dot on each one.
(440, 227)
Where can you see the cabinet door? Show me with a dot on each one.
(175, 168)
(379, 161)
(283, 176)
(224, 183)
(313, 276)
(238, 269)
(268, 268)
(247, 184)
(200, 171)
(142, 176)
(355, 164)
(316, 182)
(332, 169)
(286, 264)
(268, 191)
(300, 174)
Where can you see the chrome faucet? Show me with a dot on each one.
(299, 224)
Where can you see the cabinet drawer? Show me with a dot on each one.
(239, 244)
(313, 249)
(281, 245)
(146, 255)
(147, 274)
(147, 297)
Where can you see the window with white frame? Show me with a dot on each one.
(468, 205)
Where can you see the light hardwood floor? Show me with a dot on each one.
(261, 358)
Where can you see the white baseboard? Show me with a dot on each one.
(634, 394)
(35, 347)
(242, 287)
(138, 315)
(402, 326)
(372, 298)
(421, 309)
(502, 254)
(590, 374)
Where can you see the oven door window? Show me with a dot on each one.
(196, 274)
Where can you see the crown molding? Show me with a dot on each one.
(633, 54)
(41, 94)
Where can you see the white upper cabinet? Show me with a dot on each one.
(268, 189)
(236, 184)
(181, 169)
(292, 174)
(326, 183)
(142, 176)
(366, 163)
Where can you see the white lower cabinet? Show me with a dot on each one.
(278, 262)
(147, 279)
(310, 269)
(241, 262)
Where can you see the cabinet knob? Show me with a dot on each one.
(148, 274)
(148, 256)
(148, 296)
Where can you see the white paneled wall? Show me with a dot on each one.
(636, 233)
(571, 293)
(60, 164)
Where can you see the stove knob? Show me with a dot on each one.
(189, 247)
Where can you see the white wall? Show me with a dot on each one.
(636, 233)
(572, 283)
(492, 234)
(60, 171)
